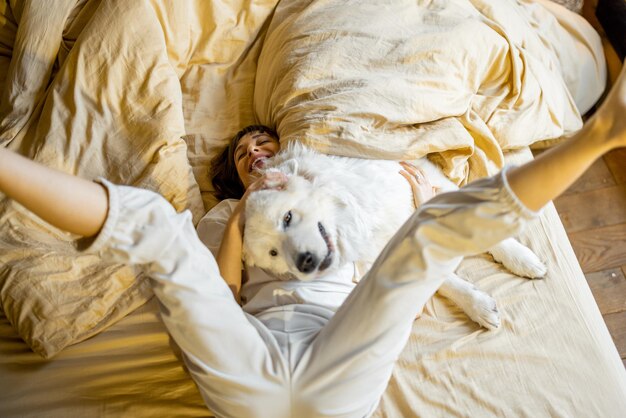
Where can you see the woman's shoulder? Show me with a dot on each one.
(211, 227)
(222, 210)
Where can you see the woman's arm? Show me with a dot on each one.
(230, 252)
(229, 255)
(551, 173)
(67, 202)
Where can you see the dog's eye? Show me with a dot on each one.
(287, 219)
(273, 252)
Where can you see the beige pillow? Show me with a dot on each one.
(53, 296)
(111, 108)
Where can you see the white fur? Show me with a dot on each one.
(360, 204)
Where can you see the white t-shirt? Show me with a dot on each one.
(263, 291)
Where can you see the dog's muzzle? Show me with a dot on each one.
(306, 262)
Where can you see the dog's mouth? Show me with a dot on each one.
(327, 261)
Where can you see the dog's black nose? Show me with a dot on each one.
(306, 262)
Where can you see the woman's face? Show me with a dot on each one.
(251, 152)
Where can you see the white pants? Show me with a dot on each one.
(301, 360)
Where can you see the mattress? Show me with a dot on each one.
(146, 92)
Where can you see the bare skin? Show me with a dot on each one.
(552, 172)
(68, 202)
(80, 206)
(229, 255)
(420, 186)
(250, 154)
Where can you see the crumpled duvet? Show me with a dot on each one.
(399, 79)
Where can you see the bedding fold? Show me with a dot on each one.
(378, 78)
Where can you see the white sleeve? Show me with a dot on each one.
(450, 226)
(220, 342)
(474, 218)
(212, 225)
(142, 228)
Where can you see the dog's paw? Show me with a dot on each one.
(519, 260)
(482, 309)
(485, 312)
(525, 264)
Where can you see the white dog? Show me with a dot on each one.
(337, 210)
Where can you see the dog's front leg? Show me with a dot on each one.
(518, 259)
(478, 305)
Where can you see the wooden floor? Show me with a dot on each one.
(593, 212)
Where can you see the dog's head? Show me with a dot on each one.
(292, 232)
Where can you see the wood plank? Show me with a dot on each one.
(609, 290)
(596, 177)
(593, 208)
(616, 162)
(616, 323)
(600, 249)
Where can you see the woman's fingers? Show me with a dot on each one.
(415, 171)
(274, 180)
(410, 168)
(420, 186)
(414, 187)
(269, 180)
(410, 178)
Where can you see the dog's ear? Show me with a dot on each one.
(290, 167)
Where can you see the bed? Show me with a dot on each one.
(146, 92)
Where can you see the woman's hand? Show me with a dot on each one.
(421, 187)
(269, 180)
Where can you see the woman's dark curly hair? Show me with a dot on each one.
(223, 171)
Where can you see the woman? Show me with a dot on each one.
(235, 174)
(247, 366)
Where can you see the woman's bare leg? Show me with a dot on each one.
(551, 173)
(68, 202)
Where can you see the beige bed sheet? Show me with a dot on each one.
(551, 357)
